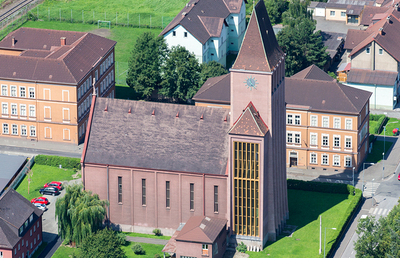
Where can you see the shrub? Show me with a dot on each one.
(381, 120)
(138, 249)
(157, 232)
(157, 256)
(241, 247)
(56, 161)
(121, 237)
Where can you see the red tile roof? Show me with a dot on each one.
(372, 77)
(260, 50)
(312, 72)
(215, 89)
(201, 229)
(249, 123)
(44, 59)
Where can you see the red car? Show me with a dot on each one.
(54, 184)
(42, 200)
(398, 177)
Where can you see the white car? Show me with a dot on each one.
(41, 206)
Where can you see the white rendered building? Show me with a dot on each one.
(210, 29)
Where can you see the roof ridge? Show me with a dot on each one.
(69, 71)
(201, 20)
(262, 41)
(211, 86)
(351, 102)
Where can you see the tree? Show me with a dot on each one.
(79, 214)
(275, 8)
(181, 74)
(303, 46)
(144, 72)
(210, 69)
(103, 244)
(379, 238)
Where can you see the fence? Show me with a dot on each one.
(15, 20)
(92, 17)
(22, 173)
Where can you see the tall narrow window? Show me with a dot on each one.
(314, 121)
(143, 191)
(167, 195)
(192, 196)
(297, 119)
(119, 189)
(215, 198)
(289, 119)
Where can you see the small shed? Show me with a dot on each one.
(202, 236)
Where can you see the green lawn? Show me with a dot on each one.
(120, 11)
(304, 210)
(64, 252)
(133, 234)
(377, 150)
(41, 175)
(39, 251)
(150, 249)
(390, 125)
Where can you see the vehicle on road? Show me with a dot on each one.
(54, 184)
(41, 206)
(42, 200)
(49, 190)
(398, 178)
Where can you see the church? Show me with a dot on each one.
(169, 166)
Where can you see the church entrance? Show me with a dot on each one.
(293, 159)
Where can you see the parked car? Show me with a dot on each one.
(398, 178)
(54, 184)
(41, 206)
(49, 190)
(42, 200)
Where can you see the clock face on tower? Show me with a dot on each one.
(251, 82)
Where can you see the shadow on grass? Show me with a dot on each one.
(380, 145)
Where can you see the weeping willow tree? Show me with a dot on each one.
(79, 214)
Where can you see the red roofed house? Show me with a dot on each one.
(46, 79)
(374, 55)
(161, 165)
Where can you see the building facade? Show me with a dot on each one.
(375, 60)
(209, 29)
(178, 161)
(46, 80)
(20, 226)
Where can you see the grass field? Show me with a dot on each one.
(41, 175)
(390, 125)
(377, 150)
(304, 210)
(133, 234)
(65, 251)
(150, 249)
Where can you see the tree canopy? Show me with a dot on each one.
(210, 69)
(379, 238)
(181, 74)
(79, 214)
(275, 9)
(144, 72)
(303, 46)
(103, 244)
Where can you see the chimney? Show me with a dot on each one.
(13, 41)
(380, 31)
(63, 41)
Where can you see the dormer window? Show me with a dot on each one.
(174, 33)
(31, 218)
(21, 229)
(368, 50)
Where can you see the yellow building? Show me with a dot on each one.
(327, 123)
(46, 80)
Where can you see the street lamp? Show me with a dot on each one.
(325, 239)
(320, 233)
(383, 163)
(364, 173)
(353, 175)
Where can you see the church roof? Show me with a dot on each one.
(160, 136)
(249, 123)
(215, 89)
(312, 72)
(260, 50)
(202, 229)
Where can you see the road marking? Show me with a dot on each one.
(380, 211)
(371, 210)
(376, 209)
(384, 211)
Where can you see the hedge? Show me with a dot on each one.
(56, 161)
(320, 187)
(381, 119)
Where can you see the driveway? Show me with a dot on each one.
(334, 26)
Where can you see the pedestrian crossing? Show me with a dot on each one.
(379, 211)
(370, 189)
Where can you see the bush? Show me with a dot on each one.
(138, 249)
(241, 247)
(157, 232)
(56, 161)
(381, 120)
(157, 256)
(121, 237)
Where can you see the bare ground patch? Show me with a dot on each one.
(106, 33)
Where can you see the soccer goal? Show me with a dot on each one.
(103, 24)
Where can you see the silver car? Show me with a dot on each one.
(41, 206)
